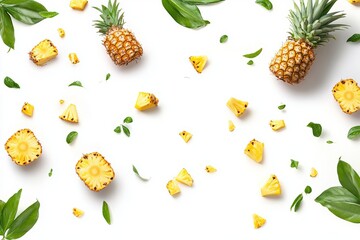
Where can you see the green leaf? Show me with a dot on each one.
(185, 14)
(24, 222)
(316, 128)
(107, 76)
(106, 212)
(76, 83)
(50, 172)
(281, 107)
(47, 14)
(254, 54)
(348, 178)
(354, 132)
(297, 202)
(308, 190)
(329, 142)
(7, 29)
(126, 130)
(128, 120)
(137, 174)
(26, 11)
(10, 83)
(201, 2)
(71, 137)
(354, 38)
(9, 211)
(250, 62)
(294, 164)
(265, 3)
(117, 129)
(224, 38)
(2, 204)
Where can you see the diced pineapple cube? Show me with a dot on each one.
(70, 114)
(198, 62)
(28, 109)
(231, 126)
(258, 221)
(43, 52)
(238, 107)
(61, 32)
(184, 177)
(78, 4)
(173, 187)
(73, 58)
(146, 101)
(77, 212)
(277, 124)
(210, 169)
(272, 187)
(313, 172)
(185, 135)
(255, 150)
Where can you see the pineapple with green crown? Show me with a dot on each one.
(311, 26)
(120, 43)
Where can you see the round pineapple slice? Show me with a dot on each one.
(347, 94)
(23, 147)
(95, 171)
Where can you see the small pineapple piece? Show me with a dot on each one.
(61, 101)
(354, 1)
(231, 126)
(254, 150)
(185, 135)
(73, 58)
(198, 62)
(271, 187)
(173, 187)
(313, 172)
(277, 124)
(258, 221)
(43, 52)
(210, 169)
(238, 107)
(77, 212)
(146, 101)
(23, 147)
(95, 171)
(61, 32)
(28, 109)
(184, 177)
(347, 94)
(70, 114)
(78, 4)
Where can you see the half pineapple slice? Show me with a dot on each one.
(255, 150)
(271, 187)
(70, 114)
(95, 171)
(43, 52)
(347, 94)
(23, 147)
(198, 62)
(184, 177)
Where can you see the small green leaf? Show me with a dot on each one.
(71, 137)
(281, 107)
(329, 142)
(354, 132)
(265, 3)
(50, 172)
(76, 83)
(117, 129)
(316, 128)
(254, 54)
(126, 130)
(2, 204)
(250, 62)
(47, 14)
(106, 212)
(10, 83)
(107, 76)
(354, 38)
(137, 174)
(297, 202)
(7, 28)
(128, 120)
(308, 190)
(294, 164)
(201, 2)
(349, 178)
(9, 211)
(224, 38)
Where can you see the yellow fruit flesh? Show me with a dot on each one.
(210, 169)
(313, 172)
(186, 136)
(184, 177)
(254, 150)
(77, 212)
(277, 124)
(173, 187)
(73, 58)
(347, 94)
(61, 32)
(78, 4)
(258, 221)
(271, 187)
(231, 126)
(43, 52)
(70, 114)
(198, 62)
(238, 107)
(146, 101)
(28, 109)
(354, 1)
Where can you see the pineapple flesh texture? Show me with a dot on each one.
(78, 4)
(277, 124)
(198, 62)
(43, 52)
(354, 1)
(27, 109)
(311, 26)
(231, 126)
(258, 221)
(95, 171)
(77, 212)
(74, 58)
(272, 187)
(184, 177)
(61, 32)
(146, 101)
(210, 169)
(173, 187)
(238, 107)
(255, 150)
(70, 114)
(186, 136)
(23, 147)
(347, 94)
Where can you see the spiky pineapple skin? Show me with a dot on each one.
(122, 46)
(293, 61)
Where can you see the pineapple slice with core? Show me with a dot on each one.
(347, 94)
(73, 58)
(23, 147)
(277, 124)
(185, 135)
(43, 52)
(184, 177)
(77, 212)
(95, 171)
(255, 150)
(238, 107)
(313, 172)
(258, 221)
(61, 32)
(198, 62)
(70, 114)
(271, 187)
(78, 4)
(146, 101)
(173, 187)
(210, 169)
(231, 126)
(27, 109)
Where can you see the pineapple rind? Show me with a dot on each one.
(70, 114)
(146, 101)
(238, 107)
(184, 177)
(272, 187)
(347, 94)
(255, 150)
(43, 52)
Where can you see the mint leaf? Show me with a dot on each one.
(10, 83)
(354, 132)
(223, 38)
(265, 3)
(281, 107)
(76, 83)
(106, 212)
(294, 164)
(297, 202)
(71, 137)
(316, 128)
(354, 38)
(308, 190)
(128, 120)
(126, 130)
(117, 129)
(250, 62)
(254, 54)
(107, 76)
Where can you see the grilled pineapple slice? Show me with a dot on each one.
(27, 109)
(255, 150)
(146, 101)
(70, 114)
(23, 147)
(78, 4)
(272, 187)
(185, 135)
(347, 94)
(43, 52)
(198, 62)
(258, 221)
(95, 171)
(77, 212)
(238, 107)
(173, 187)
(277, 124)
(184, 177)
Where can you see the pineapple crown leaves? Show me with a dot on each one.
(110, 16)
(313, 22)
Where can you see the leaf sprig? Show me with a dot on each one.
(124, 128)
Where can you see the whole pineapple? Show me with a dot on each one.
(120, 43)
(311, 26)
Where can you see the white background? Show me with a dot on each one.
(219, 205)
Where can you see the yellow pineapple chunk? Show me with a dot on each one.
(231, 126)
(277, 124)
(95, 171)
(78, 4)
(61, 101)
(77, 212)
(70, 114)
(146, 101)
(347, 94)
(210, 169)
(238, 107)
(43, 52)
(185, 135)
(28, 109)
(173, 187)
(73, 58)
(271, 187)
(184, 177)
(198, 62)
(254, 150)
(313, 172)
(354, 1)
(61, 32)
(23, 147)
(258, 221)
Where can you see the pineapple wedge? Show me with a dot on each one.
(77, 212)
(210, 169)
(23, 147)
(43, 52)
(277, 124)
(198, 62)
(27, 109)
(173, 187)
(146, 101)
(78, 4)
(70, 114)
(238, 107)
(255, 150)
(258, 221)
(231, 126)
(347, 94)
(272, 187)
(184, 177)
(185, 135)
(61, 32)
(95, 171)
(73, 58)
